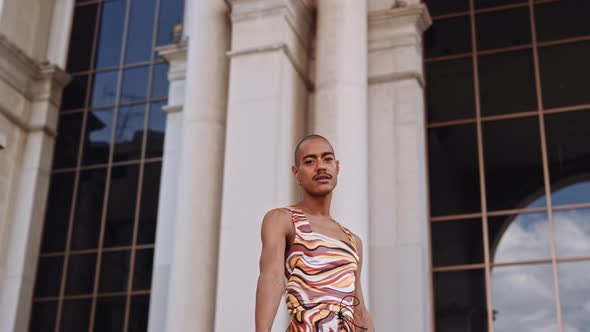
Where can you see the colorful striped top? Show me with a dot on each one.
(321, 275)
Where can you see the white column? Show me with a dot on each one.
(30, 187)
(175, 55)
(191, 301)
(340, 110)
(266, 117)
(400, 297)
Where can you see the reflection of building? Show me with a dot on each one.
(504, 244)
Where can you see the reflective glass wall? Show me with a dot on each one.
(508, 112)
(95, 265)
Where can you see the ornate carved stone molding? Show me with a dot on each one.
(24, 80)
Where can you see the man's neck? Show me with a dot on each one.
(316, 206)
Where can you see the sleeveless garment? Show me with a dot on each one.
(320, 272)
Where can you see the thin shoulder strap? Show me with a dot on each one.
(299, 220)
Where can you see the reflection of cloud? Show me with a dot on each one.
(524, 295)
(526, 238)
(572, 232)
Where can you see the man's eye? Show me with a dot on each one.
(308, 162)
(329, 159)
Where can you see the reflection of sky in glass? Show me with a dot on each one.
(104, 88)
(135, 82)
(130, 122)
(574, 286)
(574, 194)
(523, 299)
(111, 34)
(527, 237)
(572, 232)
(103, 130)
(141, 26)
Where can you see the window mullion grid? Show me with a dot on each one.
(109, 170)
(547, 178)
(480, 156)
(77, 171)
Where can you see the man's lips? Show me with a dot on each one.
(321, 177)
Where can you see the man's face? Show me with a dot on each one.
(318, 168)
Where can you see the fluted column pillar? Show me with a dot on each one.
(400, 283)
(266, 117)
(191, 298)
(340, 108)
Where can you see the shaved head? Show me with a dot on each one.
(305, 139)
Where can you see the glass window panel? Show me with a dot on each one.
(442, 7)
(507, 83)
(171, 12)
(453, 169)
(104, 88)
(448, 36)
(572, 233)
(98, 133)
(75, 315)
(150, 192)
(110, 36)
(514, 29)
(513, 163)
(74, 95)
(569, 156)
(43, 317)
(49, 274)
(121, 209)
(457, 242)
(57, 215)
(160, 81)
(109, 314)
(114, 271)
(88, 213)
(460, 301)
(520, 237)
(574, 287)
(493, 3)
(565, 74)
(82, 38)
(576, 193)
(67, 141)
(129, 132)
(138, 315)
(562, 19)
(523, 298)
(449, 90)
(157, 128)
(80, 277)
(142, 273)
(140, 33)
(135, 82)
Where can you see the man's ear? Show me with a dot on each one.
(295, 171)
(337, 166)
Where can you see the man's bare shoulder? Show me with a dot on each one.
(279, 219)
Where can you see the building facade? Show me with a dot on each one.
(142, 141)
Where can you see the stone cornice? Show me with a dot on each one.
(297, 13)
(398, 27)
(36, 83)
(175, 55)
(272, 48)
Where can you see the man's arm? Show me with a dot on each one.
(271, 284)
(361, 311)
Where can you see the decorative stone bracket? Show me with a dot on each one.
(23, 80)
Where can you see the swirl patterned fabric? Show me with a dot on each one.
(320, 272)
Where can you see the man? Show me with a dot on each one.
(320, 258)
